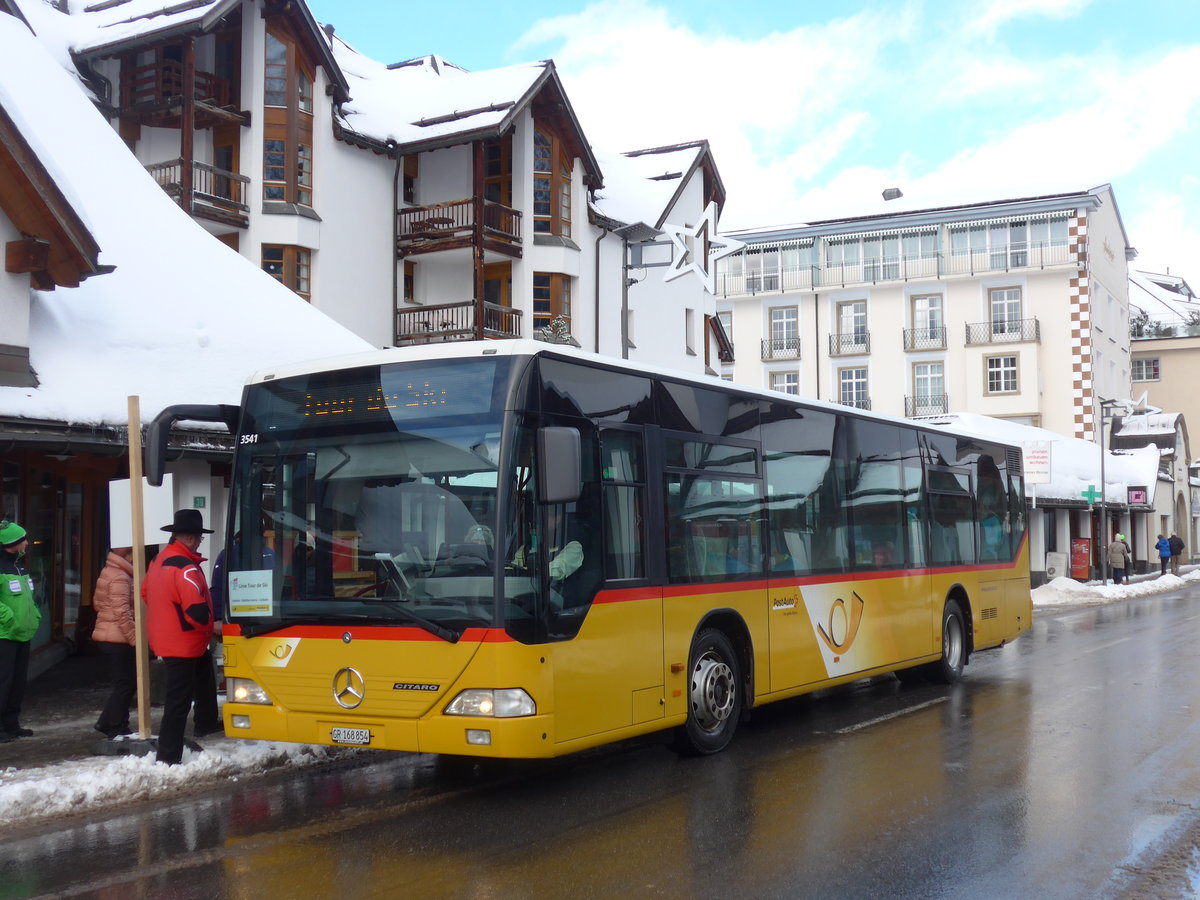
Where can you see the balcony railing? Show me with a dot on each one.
(161, 82)
(926, 405)
(455, 322)
(216, 193)
(850, 343)
(781, 348)
(1005, 331)
(929, 338)
(1143, 328)
(857, 403)
(1003, 258)
(422, 228)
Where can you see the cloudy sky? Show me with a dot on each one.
(813, 109)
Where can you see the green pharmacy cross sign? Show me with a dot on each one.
(1091, 495)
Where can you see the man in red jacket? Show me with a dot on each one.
(179, 625)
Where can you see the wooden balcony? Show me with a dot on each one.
(455, 322)
(217, 195)
(153, 94)
(447, 226)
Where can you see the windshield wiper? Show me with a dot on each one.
(434, 628)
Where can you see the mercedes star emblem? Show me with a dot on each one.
(348, 688)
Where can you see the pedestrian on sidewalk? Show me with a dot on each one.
(116, 636)
(1176, 543)
(179, 624)
(1118, 558)
(1163, 546)
(19, 619)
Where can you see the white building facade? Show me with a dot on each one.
(411, 202)
(1016, 309)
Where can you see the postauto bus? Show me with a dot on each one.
(514, 549)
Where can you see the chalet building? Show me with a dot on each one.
(109, 291)
(411, 202)
(1015, 309)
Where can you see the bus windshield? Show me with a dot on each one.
(369, 494)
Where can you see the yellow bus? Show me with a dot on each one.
(515, 549)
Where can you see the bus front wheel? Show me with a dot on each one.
(714, 693)
(949, 668)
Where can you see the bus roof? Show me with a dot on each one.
(531, 348)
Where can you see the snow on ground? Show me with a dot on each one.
(87, 786)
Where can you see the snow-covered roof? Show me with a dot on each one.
(906, 213)
(1074, 462)
(1162, 296)
(182, 319)
(640, 185)
(428, 99)
(1151, 423)
(120, 21)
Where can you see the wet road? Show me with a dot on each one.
(1065, 765)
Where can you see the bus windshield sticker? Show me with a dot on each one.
(251, 594)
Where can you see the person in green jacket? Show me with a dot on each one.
(19, 618)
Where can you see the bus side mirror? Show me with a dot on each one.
(558, 465)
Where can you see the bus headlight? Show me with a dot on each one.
(243, 690)
(501, 704)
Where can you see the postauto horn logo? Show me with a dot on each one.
(843, 624)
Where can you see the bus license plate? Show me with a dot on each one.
(350, 735)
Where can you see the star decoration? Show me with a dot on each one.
(690, 242)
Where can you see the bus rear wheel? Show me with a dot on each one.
(714, 694)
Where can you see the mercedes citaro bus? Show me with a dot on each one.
(515, 549)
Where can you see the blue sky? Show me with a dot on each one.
(813, 109)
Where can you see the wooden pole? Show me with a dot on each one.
(139, 566)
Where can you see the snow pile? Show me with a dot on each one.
(1067, 592)
(83, 786)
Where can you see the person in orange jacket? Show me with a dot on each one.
(116, 636)
(179, 626)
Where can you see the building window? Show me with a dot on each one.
(1145, 369)
(929, 390)
(497, 170)
(1002, 374)
(852, 321)
(497, 283)
(1005, 311)
(785, 332)
(290, 266)
(852, 387)
(551, 185)
(410, 178)
(927, 317)
(287, 122)
(788, 382)
(410, 281)
(551, 298)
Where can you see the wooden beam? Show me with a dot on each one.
(29, 254)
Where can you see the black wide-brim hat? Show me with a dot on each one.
(187, 521)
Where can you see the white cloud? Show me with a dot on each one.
(1001, 12)
(816, 120)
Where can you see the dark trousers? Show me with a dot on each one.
(1163, 560)
(14, 668)
(189, 680)
(1118, 575)
(122, 661)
